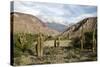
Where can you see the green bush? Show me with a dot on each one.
(24, 44)
(76, 42)
(88, 42)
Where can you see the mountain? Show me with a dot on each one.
(88, 25)
(57, 26)
(29, 24)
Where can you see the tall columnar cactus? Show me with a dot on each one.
(93, 42)
(58, 43)
(55, 43)
(82, 44)
(94, 39)
(82, 39)
(40, 45)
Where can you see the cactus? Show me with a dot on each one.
(39, 47)
(82, 39)
(81, 44)
(58, 43)
(55, 43)
(94, 40)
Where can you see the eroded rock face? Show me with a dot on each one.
(75, 30)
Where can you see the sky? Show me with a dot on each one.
(54, 12)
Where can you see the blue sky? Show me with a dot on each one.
(54, 12)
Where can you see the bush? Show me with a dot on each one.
(88, 42)
(76, 42)
(24, 44)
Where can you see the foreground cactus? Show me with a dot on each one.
(55, 43)
(58, 43)
(82, 44)
(82, 39)
(94, 39)
(39, 46)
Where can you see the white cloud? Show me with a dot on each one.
(53, 19)
(58, 13)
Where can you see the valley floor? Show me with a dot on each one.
(52, 55)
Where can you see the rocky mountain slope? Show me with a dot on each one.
(29, 24)
(75, 30)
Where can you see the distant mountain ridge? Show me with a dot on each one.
(57, 26)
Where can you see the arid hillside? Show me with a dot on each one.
(87, 24)
(29, 24)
